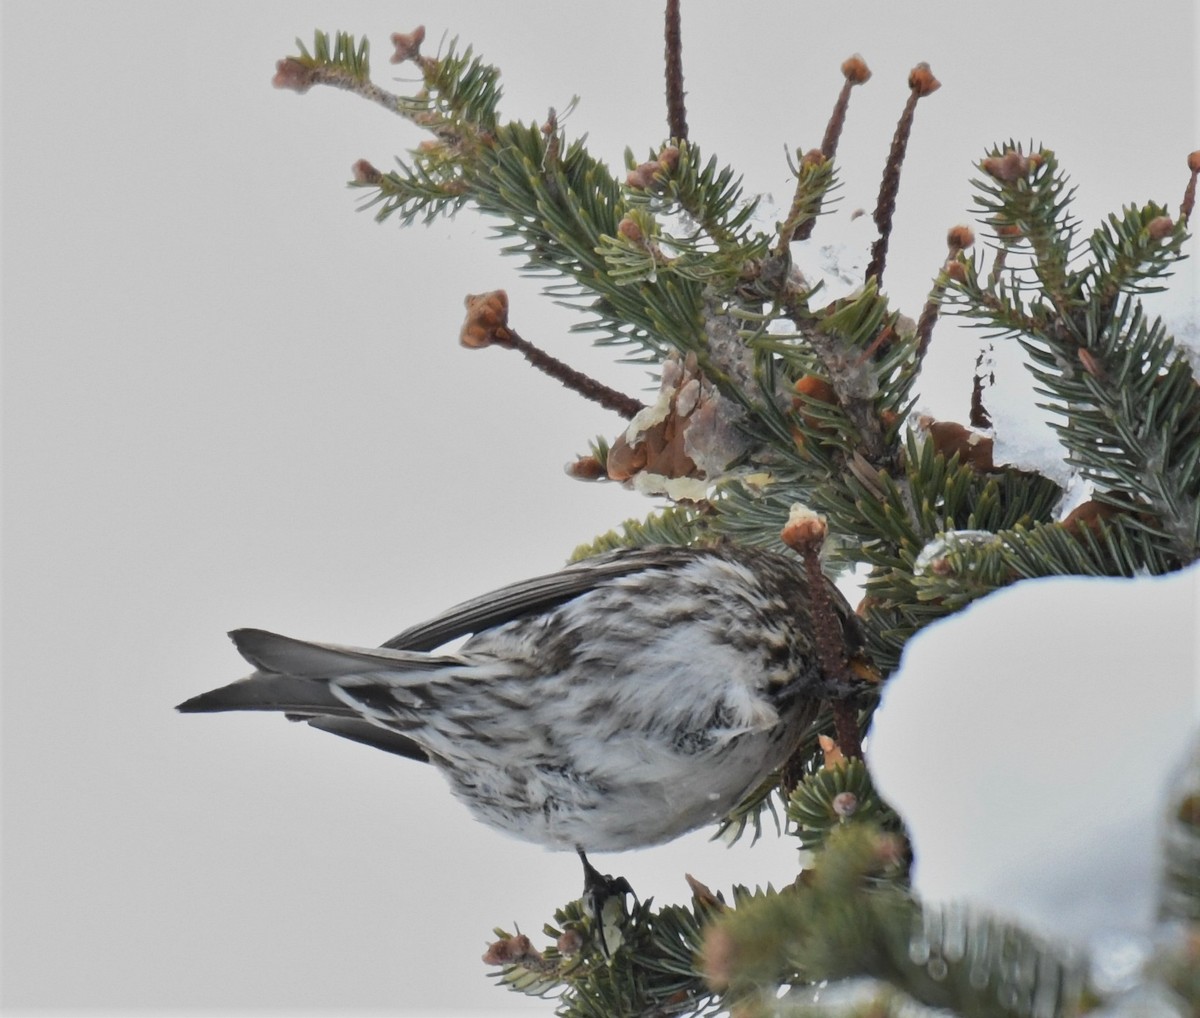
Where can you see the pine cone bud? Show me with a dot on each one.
(1010, 166)
(293, 74)
(511, 951)
(922, 81)
(630, 230)
(642, 176)
(408, 46)
(586, 468)
(855, 70)
(668, 159)
(487, 319)
(959, 238)
(1160, 227)
(365, 173)
(804, 531)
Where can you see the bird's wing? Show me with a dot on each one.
(536, 595)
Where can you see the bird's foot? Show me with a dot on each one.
(604, 902)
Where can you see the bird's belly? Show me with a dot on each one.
(623, 795)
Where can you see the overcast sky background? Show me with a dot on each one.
(231, 400)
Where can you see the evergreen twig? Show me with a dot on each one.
(676, 111)
(921, 82)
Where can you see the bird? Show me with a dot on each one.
(617, 703)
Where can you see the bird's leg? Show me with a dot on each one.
(604, 902)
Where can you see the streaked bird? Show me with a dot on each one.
(620, 702)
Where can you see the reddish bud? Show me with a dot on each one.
(294, 74)
(586, 468)
(855, 70)
(641, 176)
(956, 271)
(1091, 363)
(510, 951)
(1010, 166)
(1193, 161)
(365, 173)
(816, 388)
(813, 157)
(408, 46)
(630, 230)
(922, 81)
(668, 159)
(571, 942)
(487, 319)
(804, 531)
(1160, 227)
(959, 238)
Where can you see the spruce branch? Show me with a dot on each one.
(668, 261)
(852, 918)
(1123, 398)
(345, 65)
(815, 178)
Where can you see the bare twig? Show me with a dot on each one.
(1189, 193)
(676, 112)
(921, 82)
(487, 325)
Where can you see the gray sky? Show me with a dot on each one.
(229, 400)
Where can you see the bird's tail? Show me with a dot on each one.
(297, 678)
(293, 676)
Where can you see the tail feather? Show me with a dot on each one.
(265, 691)
(364, 732)
(283, 655)
(294, 676)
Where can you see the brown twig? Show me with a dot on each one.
(487, 325)
(921, 82)
(958, 239)
(845, 723)
(1189, 192)
(585, 385)
(676, 111)
(804, 533)
(855, 72)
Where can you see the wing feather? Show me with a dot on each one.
(541, 593)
